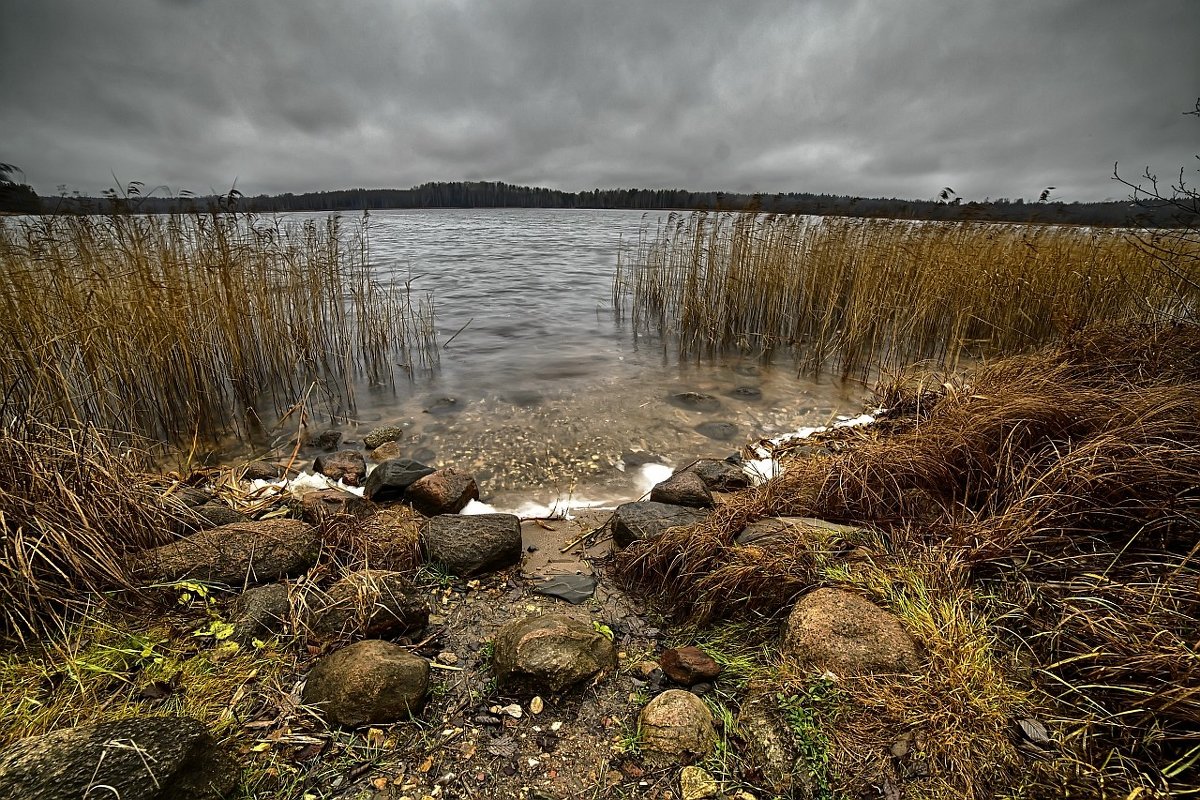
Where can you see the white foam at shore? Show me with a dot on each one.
(297, 486)
(766, 466)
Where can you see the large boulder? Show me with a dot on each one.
(720, 476)
(446, 491)
(676, 727)
(388, 481)
(261, 612)
(370, 603)
(683, 489)
(473, 544)
(633, 522)
(372, 682)
(347, 466)
(846, 634)
(139, 758)
(550, 653)
(247, 552)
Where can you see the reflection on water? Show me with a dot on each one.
(543, 390)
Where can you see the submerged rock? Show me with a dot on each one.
(844, 633)
(388, 481)
(746, 393)
(446, 491)
(720, 431)
(139, 758)
(695, 401)
(683, 489)
(472, 545)
(676, 726)
(633, 522)
(371, 682)
(551, 653)
(247, 552)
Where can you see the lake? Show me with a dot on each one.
(546, 393)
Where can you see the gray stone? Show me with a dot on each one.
(720, 476)
(388, 481)
(261, 612)
(550, 653)
(347, 466)
(683, 489)
(676, 726)
(844, 633)
(370, 603)
(327, 440)
(369, 683)
(140, 758)
(472, 545)
(381, 436)
(633, 522)
(246, 552)
(446, 491)
(771, 748)
(695, 401)
(720, 431)
(750, 393)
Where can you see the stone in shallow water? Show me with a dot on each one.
(572, 588)
(746, 393)
(695, 401)
(443, 405)
(721, 431)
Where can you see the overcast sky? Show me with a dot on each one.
(884, 98)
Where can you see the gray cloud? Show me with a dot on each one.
(842, 96)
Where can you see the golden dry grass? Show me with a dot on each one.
(1035, 526)
(195, 325)
(849, 294)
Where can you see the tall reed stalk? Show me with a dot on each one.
(196, 325)
(852, 294)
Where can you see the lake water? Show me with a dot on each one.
(545, 392)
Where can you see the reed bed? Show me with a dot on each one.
(196, 325)
(856, 294)
(1035, 526)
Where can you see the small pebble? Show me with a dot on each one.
(536, 705)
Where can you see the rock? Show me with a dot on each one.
(261, 612)
(771, 748)
(387, 451)
(139, 758)
(572, 588)
(446, 491)
(746, 393)
(720, 431)
(388, 481)
(637, 458)
(317, 505)
(389, 539)
(472, 545)
(550, 653)
(695, 401)
(182, 496)
(720, 476)
(347, 466)
(689, 665)
(443, 405)
(327, 440)
(214, 515)
(247, 552)
(537, 705)
(370, 603)
(633, 522)
(696, 784)
(683, 489)
(676, 726)
(262, 471)
(787, 530)
(378, 437)
(371, 682)
(844, 633)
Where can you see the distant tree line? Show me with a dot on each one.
(477, 194)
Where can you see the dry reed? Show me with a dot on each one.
(1047, 511)
(181, 326)
(850, 294)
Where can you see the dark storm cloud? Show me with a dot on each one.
(871, 98)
